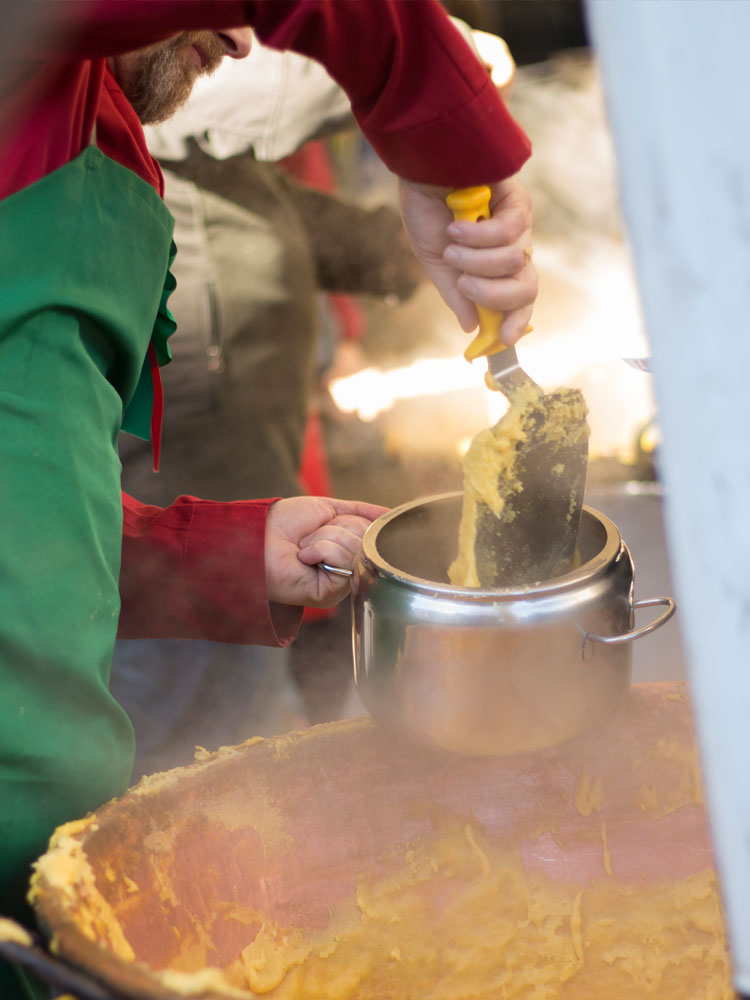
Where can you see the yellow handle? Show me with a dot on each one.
(473, 204)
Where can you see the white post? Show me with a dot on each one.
(678, 94)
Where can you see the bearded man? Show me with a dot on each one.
(84, 324)
(159, 79)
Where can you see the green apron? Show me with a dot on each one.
(84, 260)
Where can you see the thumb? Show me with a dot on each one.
(445, 279)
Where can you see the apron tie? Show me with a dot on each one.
(144, 413)
(157, 409)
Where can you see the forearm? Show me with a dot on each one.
(421, 97)
(357, 250)
(196, 569)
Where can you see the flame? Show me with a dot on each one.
(372, 391)
(587, 323)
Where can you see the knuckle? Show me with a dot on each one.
(516, 259)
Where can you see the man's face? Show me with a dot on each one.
(159, 79)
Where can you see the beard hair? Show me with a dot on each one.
(162, 81)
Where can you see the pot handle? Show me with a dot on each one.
(19, 946)
(335, 570)
(636, 633)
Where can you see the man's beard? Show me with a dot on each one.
(162, 79)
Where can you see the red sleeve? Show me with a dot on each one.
(91, 29)
(422, 98)
(196, 570)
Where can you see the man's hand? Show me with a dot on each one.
(486, 262)
(304, 531)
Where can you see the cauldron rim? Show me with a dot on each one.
(595, 565)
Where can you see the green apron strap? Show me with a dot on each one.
(80, 290)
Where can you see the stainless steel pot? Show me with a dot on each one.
(490, 671)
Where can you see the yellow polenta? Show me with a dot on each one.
(490, 470)
(601, 887)
(461, 918)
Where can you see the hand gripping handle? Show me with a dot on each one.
(473, 204)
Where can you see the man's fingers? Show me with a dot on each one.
(515, 325)
(341, 526)
(476, 263)
(330, 591)
(345, 538)
(463, 308)
(506, 228)
(329, 552)
(493, 263)
(501, 294)
(316, 588)
(358, 508)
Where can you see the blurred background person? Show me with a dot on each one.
(256, 335)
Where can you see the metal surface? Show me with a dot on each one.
(35, 957)
(335, 570)
(484, 671)
(534, 536)
(640, 364)
(638, 633)
(505, 368)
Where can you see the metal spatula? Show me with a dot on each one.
(533, 536)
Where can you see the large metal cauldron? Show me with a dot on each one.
(156, 895)
(491, 671)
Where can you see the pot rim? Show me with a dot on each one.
(589, 570)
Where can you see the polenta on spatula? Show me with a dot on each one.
(524, 478)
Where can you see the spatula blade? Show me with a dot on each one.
(504, 367)
(534, 537)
